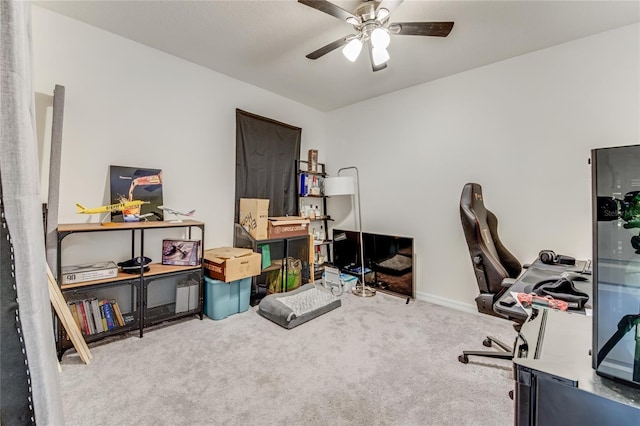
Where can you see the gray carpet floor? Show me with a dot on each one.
(373, 361)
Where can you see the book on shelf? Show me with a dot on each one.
(94, 316)
(108, 314)
(74, 314)
(88, 311)
(72, 274)
(116, 310)
(303, 184)
(85, 324)
(103, 319)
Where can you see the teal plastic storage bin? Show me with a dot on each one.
(223, 299)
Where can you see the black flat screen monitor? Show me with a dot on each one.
(388, 260)
(616, 266)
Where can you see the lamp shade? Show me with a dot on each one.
(352, 50)
(380, 38)
(380, 55)
(381, 14)
(339, 185)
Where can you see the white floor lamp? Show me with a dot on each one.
(345, 185)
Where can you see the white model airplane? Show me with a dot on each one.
(176, 213)
(143, 216)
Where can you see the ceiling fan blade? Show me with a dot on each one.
(374, 67)
(329, 8)
(390, 5)
(436, 29)
(329, 47)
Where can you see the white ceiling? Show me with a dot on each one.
(264, 43)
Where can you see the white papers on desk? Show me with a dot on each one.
(514, 294)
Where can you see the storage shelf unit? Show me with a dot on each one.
(279, 248)
(154, 269)
(133, 292)
(323, 246)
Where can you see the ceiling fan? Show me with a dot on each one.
(370, 20)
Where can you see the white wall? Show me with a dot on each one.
(127, 104)
(522, 128)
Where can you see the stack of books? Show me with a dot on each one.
(95, 316)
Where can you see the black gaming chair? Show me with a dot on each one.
(494, 266)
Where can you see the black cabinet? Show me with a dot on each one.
(286, 262)
(555, 383)
(161, 293)
(134, 301)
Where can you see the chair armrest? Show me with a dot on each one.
(508, 282)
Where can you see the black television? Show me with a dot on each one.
(388, 260)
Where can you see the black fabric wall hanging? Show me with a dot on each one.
(266, 151)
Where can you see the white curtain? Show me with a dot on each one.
(23, 214)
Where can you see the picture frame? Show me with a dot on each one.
(136, 183)
(181, 252)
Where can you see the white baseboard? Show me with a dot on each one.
(449, 303)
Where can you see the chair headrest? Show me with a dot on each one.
(472, 198)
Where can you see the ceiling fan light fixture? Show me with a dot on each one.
(352, 50)
(372, 26)
(379, 55)
(382, 14)
(380, 38)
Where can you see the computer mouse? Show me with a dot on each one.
(573, 276)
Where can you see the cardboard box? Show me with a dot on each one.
(288, 226)
(312, 160)
(231, 263)
(253, 216)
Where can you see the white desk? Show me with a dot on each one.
(555, 383)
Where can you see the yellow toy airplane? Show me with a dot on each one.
(110, 208)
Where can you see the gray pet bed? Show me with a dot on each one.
(298, 306)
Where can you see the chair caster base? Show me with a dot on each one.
(463, 359)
